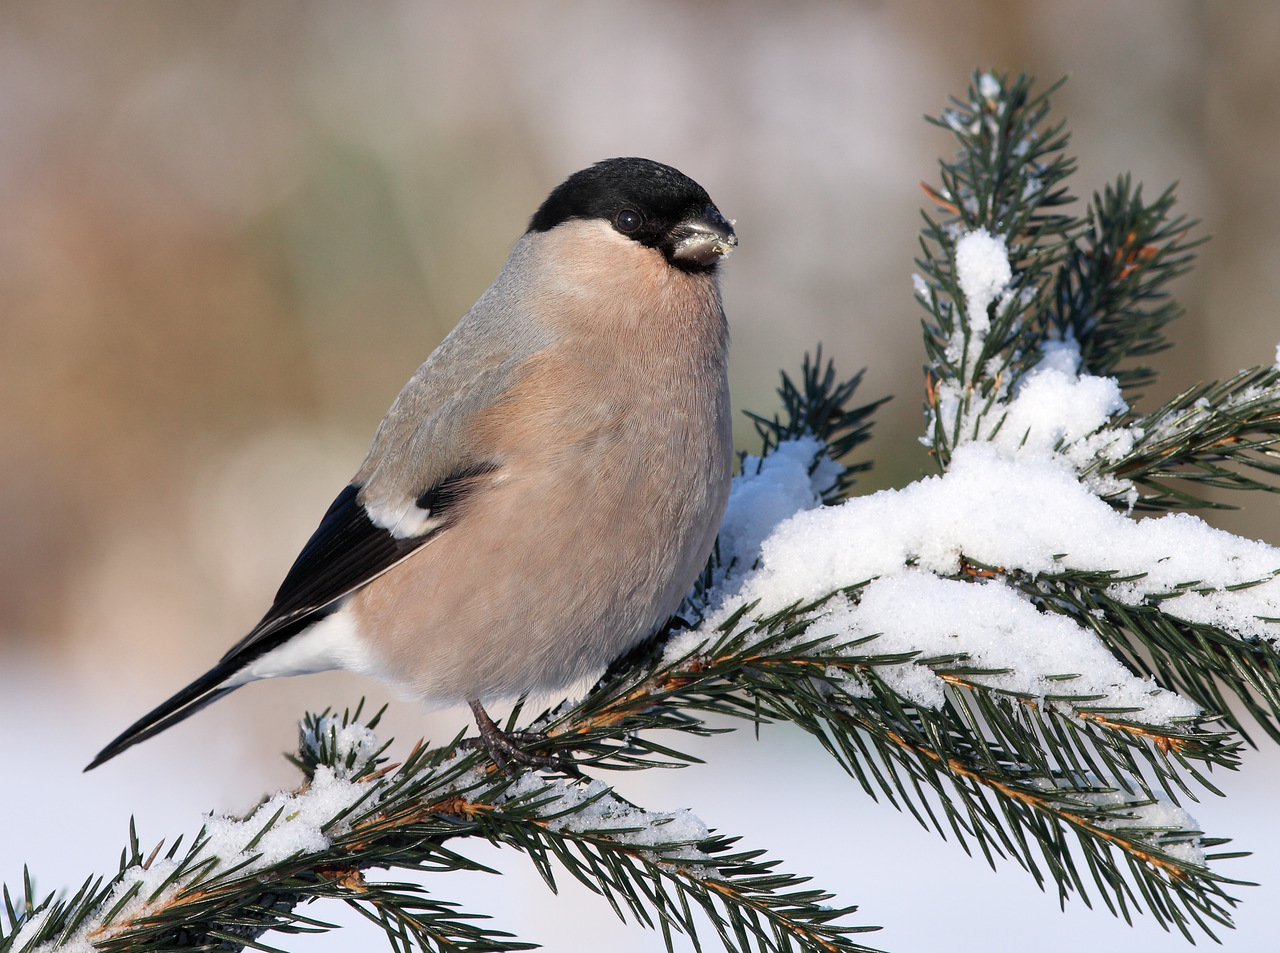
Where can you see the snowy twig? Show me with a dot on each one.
(243, 877)
(1204, 437)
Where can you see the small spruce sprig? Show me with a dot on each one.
(1110, 294)
(1219, 434)
(818, 407)
(1099, 282)
(1007, 179)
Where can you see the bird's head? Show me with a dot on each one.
(648, 202)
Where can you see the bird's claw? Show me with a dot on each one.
(507, 747)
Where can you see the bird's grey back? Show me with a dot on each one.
(422, 439)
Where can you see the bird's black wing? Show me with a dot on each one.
(345, 552)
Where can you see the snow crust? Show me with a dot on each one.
(675, 833)
(998, 629)
(1053, 412)
(766, 493)
(32, 926)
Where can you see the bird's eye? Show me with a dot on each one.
(628, 220)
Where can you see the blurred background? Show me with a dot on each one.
(230, 231)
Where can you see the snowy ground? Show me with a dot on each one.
(926, 893)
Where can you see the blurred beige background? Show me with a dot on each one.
(230, 231)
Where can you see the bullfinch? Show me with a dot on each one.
(548, 484)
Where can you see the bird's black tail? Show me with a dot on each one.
(205, 690)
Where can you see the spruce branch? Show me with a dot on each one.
(242, 878)
(1210, 435)
(1020, 777)
(1110, 294)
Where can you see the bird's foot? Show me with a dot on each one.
(506, 747)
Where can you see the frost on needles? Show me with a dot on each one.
(1033, 651)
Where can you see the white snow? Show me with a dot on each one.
(1052, 413)
(1057, 413)
(983, 271)
(766, 493)
(988, 86)
(32, 926)
(298, 830)
(344, 739)
(998, 629)
(1061, 356)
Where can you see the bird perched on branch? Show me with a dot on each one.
(548, 484)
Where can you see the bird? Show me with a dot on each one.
(546, 487)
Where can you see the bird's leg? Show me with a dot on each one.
(503, 748)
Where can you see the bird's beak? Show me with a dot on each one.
(704, 237)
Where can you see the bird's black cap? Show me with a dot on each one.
(647, 201)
